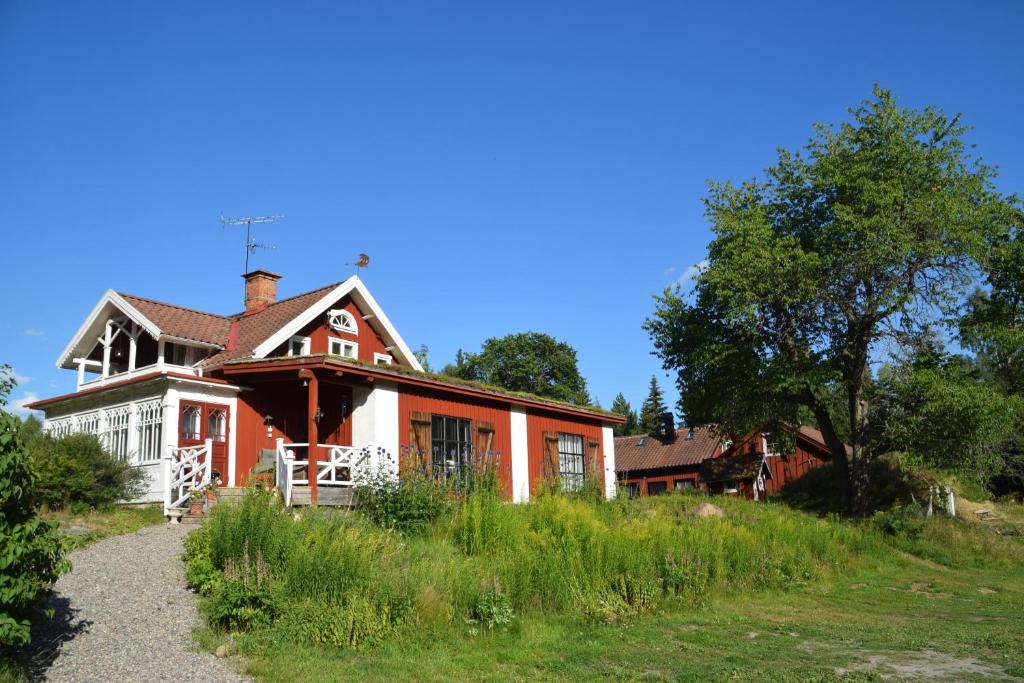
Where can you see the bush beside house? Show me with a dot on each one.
(30, 549)
(76, 471)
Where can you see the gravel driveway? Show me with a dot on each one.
(124, 614)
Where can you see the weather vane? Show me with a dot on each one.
(363, 262)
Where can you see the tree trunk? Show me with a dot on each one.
(840, 461)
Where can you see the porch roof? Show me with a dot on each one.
(406, 376)
(138, 379)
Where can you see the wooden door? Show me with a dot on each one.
(200, 421)
(335, 426)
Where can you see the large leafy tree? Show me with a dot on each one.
(620, 406)
(652, 409)
(533, 362)
(845, 248)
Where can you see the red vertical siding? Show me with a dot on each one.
(411, 399)
(538, 422)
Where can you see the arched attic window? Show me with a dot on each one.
(342, 321)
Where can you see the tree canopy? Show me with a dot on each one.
(851, 246)
(533, 362)
(620, 406)
(652, 409)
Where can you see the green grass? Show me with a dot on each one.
(93, 525)
(633, 590)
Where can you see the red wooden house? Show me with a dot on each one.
(318, 387)
(703, 458)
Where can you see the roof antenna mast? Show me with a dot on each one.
(251, 245)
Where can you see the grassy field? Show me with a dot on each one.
(908, 619)
(767, 593)
(82, 528)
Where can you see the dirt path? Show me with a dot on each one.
(124, 614)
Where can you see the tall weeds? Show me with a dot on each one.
(337, 578)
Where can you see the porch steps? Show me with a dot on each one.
(329, 496)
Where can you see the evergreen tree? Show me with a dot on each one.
(620, 406)
(652, 409)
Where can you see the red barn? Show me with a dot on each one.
(316, 387)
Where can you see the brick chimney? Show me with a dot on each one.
(260, 290)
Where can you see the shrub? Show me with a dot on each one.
(31, 556)
(408, 505)
(901, 522)
(77, 470)
(491, 608)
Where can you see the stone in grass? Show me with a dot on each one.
(708, 510)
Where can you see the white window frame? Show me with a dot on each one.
(382, 358)
(331, 341)
(340, 320)
(305, 345)
(149, 426)
(734, 488)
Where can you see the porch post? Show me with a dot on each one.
(132, 342)
(106, 350)
(313, 400)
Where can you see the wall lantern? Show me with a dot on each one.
(318, 414)
(268, 421)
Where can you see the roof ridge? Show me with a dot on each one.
(333, 285)
(178, 306)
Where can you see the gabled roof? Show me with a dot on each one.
(255, 328)
(354, 288)
(239, 335)
(734, 468)
(651, 452)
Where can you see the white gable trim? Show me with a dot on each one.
(119, 302)
(364, 300)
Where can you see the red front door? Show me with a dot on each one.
(200, 421)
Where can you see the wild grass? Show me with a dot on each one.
(335, 581)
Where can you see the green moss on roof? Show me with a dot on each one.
(437, 377)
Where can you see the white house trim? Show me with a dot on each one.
(608, 446)
(520, 455)
(110, 297)
(354, 287)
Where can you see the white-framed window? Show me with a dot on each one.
(730, 487)
(217, 424)
(180, 354)
(571, 461)
(89, 423)
(298, 346)
(61, 427)
(150, 429)
(342, 347)
(116, 435)
(382, 358)
(341, 320)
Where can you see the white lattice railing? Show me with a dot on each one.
(343, 466)
(185, 469)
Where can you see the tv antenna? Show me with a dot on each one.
(251, 245)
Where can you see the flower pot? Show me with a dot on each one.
(195, 507)
(211, 495)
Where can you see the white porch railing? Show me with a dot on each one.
(185, 469)
(343, 466)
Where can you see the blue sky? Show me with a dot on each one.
(508, 167)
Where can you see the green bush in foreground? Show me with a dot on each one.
(77, 471)
(30, 549)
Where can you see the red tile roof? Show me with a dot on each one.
(252, 330)
(179, 321)
(633, 453)
(256, 328)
